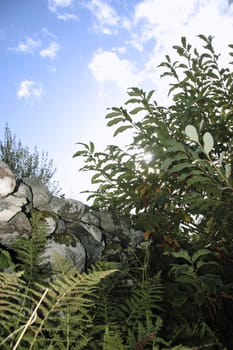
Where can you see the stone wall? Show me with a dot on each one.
(73, 229)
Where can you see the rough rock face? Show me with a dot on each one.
(7, 180)
(74, 230)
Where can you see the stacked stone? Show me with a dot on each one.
(73, 229)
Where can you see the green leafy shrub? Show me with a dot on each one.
(183, 196)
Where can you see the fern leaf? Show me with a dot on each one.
(64, 312)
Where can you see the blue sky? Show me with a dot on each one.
(64, 62)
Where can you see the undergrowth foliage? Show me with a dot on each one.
(110, 304)
(38, 312)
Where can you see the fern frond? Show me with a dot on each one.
(29, 252)
(11, 317)
(142, 320)
(62, 265)
(112, 340)
(111, 294)
(146, 297)
(10, 284)
(63, 317)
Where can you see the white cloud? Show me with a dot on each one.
(28, 46)
(31, 46)
(219, 24)
(50, 51)
(59, 6)
(55, 5)
(67, 16)
(30, 90)
(106, 16)
(121, 49)
(158, 26)
(167, 13)
(165, 22)
(161, 25)
(108, 66)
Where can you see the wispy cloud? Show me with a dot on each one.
(28, 46)
(60, 7)
(106, 16)
(50, 51)
(30, 90)
(37, 47)
(67, 16)
(55, 5)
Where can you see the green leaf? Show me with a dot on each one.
(212, 282)
(113, 114)
(197, 179)
(181, 166)
(83, 144)
(183, 40)
(203, 37)
(79, 153)
(92, 147)
(179, 49)
(176, 146)
(121, 129)
(201, 264)
(208, 142)
(166, 164)
(133, 100)
(184, 176)
(149, 95)
(169, 161)
(136, 110)
(115, 121)
(191, 132)
(182, 254)
(200, 253)
(108, 166)
(168, 58)
(212, 75)
(134, 91)
(186, 279)
(95, 179)
(5, 259)
(166, 74)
